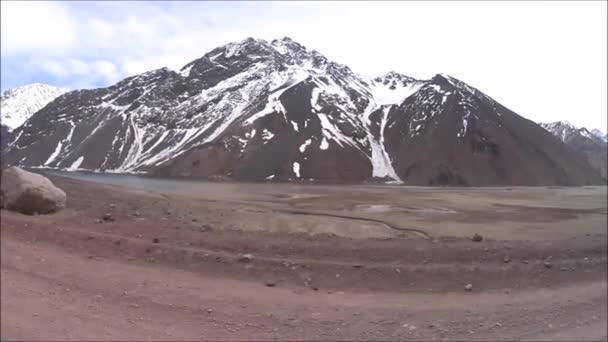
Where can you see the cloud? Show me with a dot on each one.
(30, 27)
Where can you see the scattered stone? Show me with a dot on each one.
(548, 264)
(29, 193)
(107, 217)
(98, 221)
(357, 265)
(209, 310)
(269, 283)
(506, 259)
(136, 214)
(477, 238)
(246, 257)
(112, 205)
(155, 240)
(468, 287)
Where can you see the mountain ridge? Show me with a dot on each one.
(255, 110)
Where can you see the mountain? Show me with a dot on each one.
(592, 145)
(599, 134)
(18, 104)
(257, 110)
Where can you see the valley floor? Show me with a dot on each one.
(166, 266)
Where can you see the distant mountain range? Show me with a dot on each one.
(257, 111)
(591, 144)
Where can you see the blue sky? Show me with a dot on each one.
(545, 60)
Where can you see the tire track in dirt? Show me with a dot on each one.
(417, 232)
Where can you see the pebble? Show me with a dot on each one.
(269, 283)
(468, 287)
(477, 238)
(506, 259)
(246, 257)
(107, 217)
(548, 264)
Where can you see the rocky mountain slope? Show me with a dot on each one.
(591, 144)
(258, 110)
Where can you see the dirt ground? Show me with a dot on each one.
(354, 264)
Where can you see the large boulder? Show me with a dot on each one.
(29, 193)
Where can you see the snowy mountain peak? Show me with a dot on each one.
(599, 134)
(18, 104)
(287, 45)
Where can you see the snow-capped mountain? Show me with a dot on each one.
(591, 144)
(600, 134)
(18, 104)
(258, 110)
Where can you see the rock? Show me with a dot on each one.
(269, 283)
(468, 287)
(477, 237)
(548, 264)
(98, 221)
(506, 259)
(245, 257)
(136, 214)
(29, 193)
(155, 240)
(112, 205)
(107, 217)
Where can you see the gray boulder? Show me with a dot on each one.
(29, 193)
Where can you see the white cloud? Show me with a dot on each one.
(34, 27)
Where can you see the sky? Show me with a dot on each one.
(547, 61)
